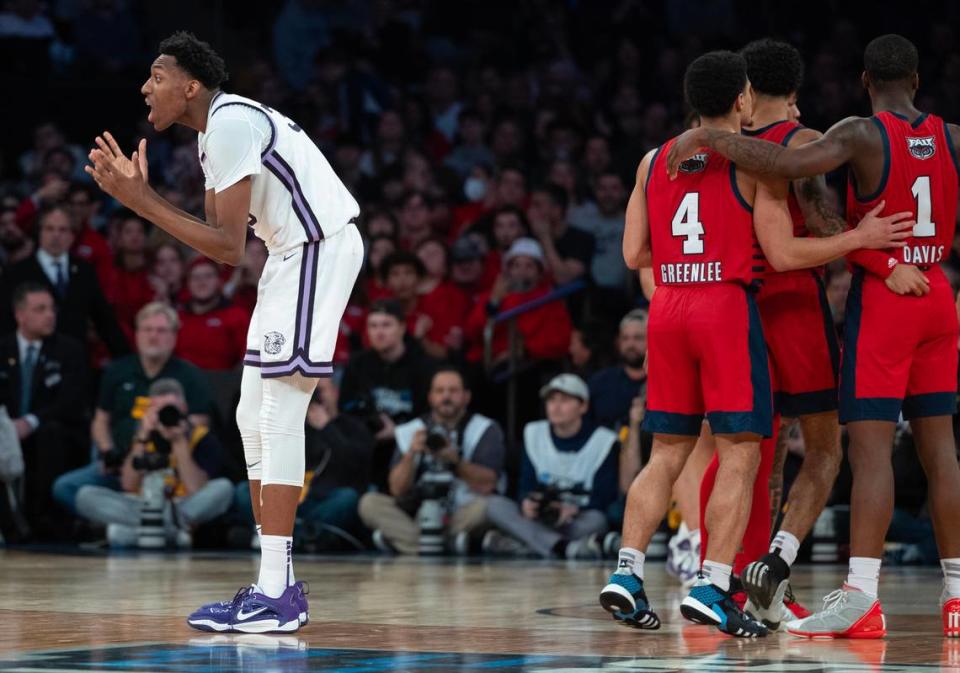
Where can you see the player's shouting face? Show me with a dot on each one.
(167, 92)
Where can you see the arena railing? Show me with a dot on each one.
(513, 340)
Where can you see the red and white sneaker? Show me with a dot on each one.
(847, 613)
(951, 618)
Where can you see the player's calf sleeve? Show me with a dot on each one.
(282, 415)
(248, 422)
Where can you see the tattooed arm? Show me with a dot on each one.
(834, 149)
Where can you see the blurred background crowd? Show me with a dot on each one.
(492, 147)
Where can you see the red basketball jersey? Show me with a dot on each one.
(919, 176)
(780, 133)
(701, 228)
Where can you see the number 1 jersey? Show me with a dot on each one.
(701, 227)
(919, 176)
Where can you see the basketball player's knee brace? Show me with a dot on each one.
(282, 416)
(248, 422)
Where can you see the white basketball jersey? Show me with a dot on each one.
(296, 197)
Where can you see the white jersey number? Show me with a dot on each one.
(686, 223)
(925, 227)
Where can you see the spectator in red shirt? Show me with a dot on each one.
(545, 331)
(130, 288)
(415, 220)
(213, 333)
(467, 266)
(509, 224)
(15, 245)
(438, 294)
(509, 189)
(89, 244)
(378, 249)
(168, 272)
(430, 321)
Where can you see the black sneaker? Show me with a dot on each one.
(766, 582)
(709, 604)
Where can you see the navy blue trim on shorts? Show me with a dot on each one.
(886, 166)
(760, 420)
(929, 404)
(852, 408)
(736, 189)
(668, 423)
(653, 162)
(794, 405)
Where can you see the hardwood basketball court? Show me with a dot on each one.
(65, 612)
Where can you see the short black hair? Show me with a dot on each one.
(401, 258)
(775, 68)
(27, 288)
(197, 58)
(450, 368)
(390, 307)
(713, 82)
(556, 193)
(890, 58)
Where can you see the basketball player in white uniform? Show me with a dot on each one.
(261, 170)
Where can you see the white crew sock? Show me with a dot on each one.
(787, 544)
(951, 577)
(717, 573)
(631, 559)
(276, 564)
(864, 574)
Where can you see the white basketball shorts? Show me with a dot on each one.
(300, 300)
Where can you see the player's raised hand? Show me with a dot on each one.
(685, 146)
(125, 179)
(880, 233)
(908, 279)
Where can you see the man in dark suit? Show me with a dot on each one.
(43, 385)
(71, 281)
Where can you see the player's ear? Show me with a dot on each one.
(865, 80)
(915, 81)
(192, 89)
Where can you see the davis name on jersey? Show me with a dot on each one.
(295, 197)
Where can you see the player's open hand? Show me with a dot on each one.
(685, 146)
(125, 179)
(880, 233)
(908, 279)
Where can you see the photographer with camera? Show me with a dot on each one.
(445, 463)
(567, 482)
(169, 478)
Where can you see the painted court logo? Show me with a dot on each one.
(273, 342)
(694, 164)
(922, 148)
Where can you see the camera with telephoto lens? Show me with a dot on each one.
(437, 438)
(170, 417)
(550, 496)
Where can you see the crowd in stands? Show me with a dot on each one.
(492, 151)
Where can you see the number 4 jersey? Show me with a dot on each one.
(701, 228)
(296, 197)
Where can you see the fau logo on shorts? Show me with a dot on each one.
(273, 342)
(695, 164)
(922, 148)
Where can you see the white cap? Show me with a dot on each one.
(571, 384)
(524, 247)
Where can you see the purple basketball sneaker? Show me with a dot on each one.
(217, 616)
(259, 613)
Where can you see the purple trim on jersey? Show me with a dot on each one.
(300, 207)
(273, 127)
(314, 230)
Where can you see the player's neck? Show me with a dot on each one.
(768, 110)
(730, 122)
(894, 101)
(198, 111)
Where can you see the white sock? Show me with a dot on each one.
(717, 573)
(864, 574)
(788, 544)
(951, 576)
(632, 559)
(276, 564)
(694, 539)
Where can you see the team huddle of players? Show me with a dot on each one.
(735, 221)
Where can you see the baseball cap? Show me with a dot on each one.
(571, 384)
(524, 247)
(465, 250)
